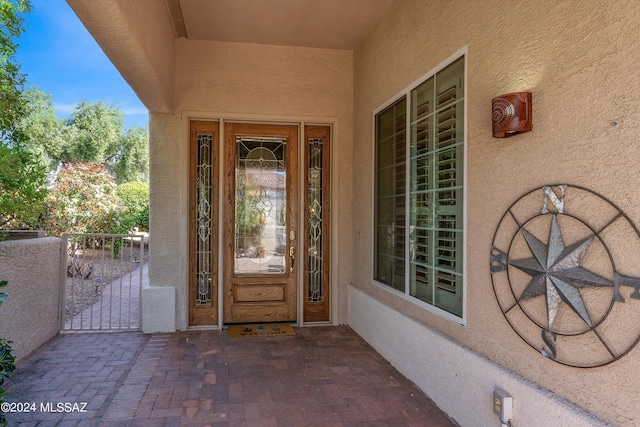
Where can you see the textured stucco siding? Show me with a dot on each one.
(580, 60)
(168, 200)
(29, 316)
(168, 207)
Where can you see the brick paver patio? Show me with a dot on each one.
(324, 376)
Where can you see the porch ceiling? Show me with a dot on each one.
(138, 36)
(331, 24)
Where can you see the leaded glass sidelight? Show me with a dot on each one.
(317, 220)
(260, 205)
(204, 193)
(315, 238)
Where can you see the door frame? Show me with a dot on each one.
(335, 265)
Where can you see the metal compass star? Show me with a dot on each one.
(556, 272)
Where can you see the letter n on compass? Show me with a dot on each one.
(553, 197)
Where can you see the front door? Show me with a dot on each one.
(260, 239)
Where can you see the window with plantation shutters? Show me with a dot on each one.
(431, 199)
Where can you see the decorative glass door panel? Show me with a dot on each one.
(203, 236)
(317, 220)
(260, 240)
(261, 205)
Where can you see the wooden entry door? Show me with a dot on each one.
(260, 239)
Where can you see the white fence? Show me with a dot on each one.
(101, 277)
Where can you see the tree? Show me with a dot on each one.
(46, 133)
(22, 188)
(22, 179)
(96, 136)
(131, 161)
(92, 134)
(12, 102)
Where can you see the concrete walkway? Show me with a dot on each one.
(323, 376)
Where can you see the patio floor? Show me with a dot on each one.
(324, 376)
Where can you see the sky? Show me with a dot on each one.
(59, 57)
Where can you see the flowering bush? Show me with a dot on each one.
(83, 199)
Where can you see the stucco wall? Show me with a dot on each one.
(216, 80)
(580, 61)
(247, 78)
(168, 247)
(29, 316)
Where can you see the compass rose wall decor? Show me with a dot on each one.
(565, 267)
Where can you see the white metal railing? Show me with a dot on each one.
(101, 279)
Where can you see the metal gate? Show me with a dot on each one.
(101, 279)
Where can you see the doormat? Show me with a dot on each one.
(260, 330)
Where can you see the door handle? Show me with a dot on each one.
(292, 255)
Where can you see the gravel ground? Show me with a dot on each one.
(93, 269)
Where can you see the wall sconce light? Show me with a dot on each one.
(511, 114)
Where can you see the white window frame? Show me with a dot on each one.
(406, 94)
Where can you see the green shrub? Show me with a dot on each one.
(135, 197)
(83, 199)
(22, 187)
(143, 219)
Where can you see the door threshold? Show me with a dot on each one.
(292, 324)
(204, 328)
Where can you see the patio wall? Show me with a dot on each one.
(29, 316)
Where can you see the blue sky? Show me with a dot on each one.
(60, 57)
